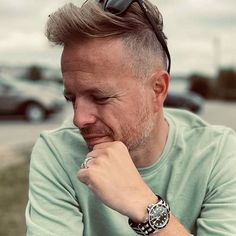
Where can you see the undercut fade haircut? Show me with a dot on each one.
(90, 21)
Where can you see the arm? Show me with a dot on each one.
(174, 228)
(51, 196)
(110, 173)
(218, 215)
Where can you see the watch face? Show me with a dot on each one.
(158, 216)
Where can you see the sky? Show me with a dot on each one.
(201, 33)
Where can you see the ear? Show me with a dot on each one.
(160, 84)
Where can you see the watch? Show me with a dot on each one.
(158, 217)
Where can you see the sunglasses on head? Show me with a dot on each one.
(118, 7)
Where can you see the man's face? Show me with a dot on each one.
(109, 103)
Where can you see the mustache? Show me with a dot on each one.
(95, 131)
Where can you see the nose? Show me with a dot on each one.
(84, 113)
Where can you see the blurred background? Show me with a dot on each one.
(201, 38)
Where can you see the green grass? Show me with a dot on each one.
(13, 197)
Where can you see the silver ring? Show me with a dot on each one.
(84, 164)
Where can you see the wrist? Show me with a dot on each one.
(139, 212)
(157, 218)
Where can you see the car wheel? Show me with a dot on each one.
(34, 112)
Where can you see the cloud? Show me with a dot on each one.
(192, 26)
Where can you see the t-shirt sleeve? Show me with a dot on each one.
(52, 208)
(218, 214)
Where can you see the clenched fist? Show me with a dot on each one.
(113, 177)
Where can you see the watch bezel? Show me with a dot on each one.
(158, 223)
(148, 226)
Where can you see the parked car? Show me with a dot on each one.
(186, 100)
(28, 99)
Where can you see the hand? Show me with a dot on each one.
(113, 177)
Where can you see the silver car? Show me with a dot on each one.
(33, 101)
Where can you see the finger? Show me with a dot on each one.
(102, 145)
(86, 162)
(108, 144)
(96, 153)
(83, 176)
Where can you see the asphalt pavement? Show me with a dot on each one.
(220, 113)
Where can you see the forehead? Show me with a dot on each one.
(97, 62)
(92, 54)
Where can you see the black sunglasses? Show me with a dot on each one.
(118, 7)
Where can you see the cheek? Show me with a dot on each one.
(127, 121)
(124, 117)
(117, 120)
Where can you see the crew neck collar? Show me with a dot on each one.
(168, 147)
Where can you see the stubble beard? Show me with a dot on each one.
(138, 136)
(135, 136)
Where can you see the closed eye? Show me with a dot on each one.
(101, 100)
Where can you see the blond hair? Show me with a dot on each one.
(90, 21)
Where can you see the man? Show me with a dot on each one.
(126, 166)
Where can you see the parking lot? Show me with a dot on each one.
(220, 113)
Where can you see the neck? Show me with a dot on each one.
(151, 151)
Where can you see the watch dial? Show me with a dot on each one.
(159, 216)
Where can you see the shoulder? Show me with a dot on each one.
(184, 118)
(205, 152)
(205, 143)
(186, 123)
(67, 133)
(63, 146)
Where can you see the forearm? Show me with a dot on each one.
(144, 218)
(146, 210)
(173, 228)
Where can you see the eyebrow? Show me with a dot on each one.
(89, 91)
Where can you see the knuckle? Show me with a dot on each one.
(108, 151)
(92, 178)
(119, 144)
(85, 176)
(81, 176)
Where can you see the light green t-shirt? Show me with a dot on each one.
(196, 175)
